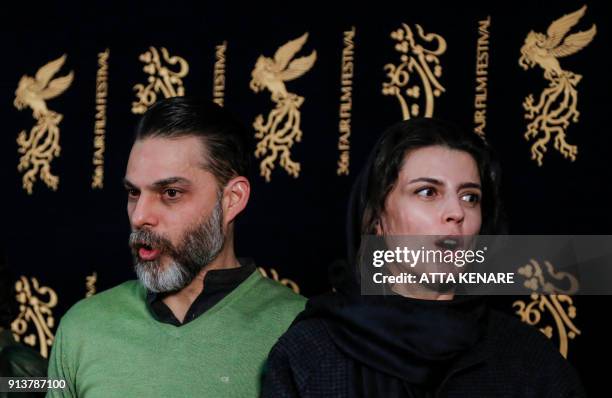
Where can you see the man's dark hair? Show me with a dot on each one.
(387, 158)
(225, 139)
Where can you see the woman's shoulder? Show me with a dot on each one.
(307, 340)
(512, 334)
(303, 358)
(521, 349)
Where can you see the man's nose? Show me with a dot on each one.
(144, 214)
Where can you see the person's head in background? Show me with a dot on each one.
(186, 184)
(429, 177)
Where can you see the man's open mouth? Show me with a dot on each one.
(147, 252)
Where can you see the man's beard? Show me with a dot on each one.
(198, 247)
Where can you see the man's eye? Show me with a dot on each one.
(172, 193)
(426, 192)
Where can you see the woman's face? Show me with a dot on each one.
(437, 192)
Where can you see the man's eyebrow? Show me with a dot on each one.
(170, 181)
(128, 184)
(160, 183)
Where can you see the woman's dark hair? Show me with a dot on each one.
(387, 158)
(225, 139)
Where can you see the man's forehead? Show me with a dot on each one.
(157, 158)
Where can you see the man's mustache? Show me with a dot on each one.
(149, 240)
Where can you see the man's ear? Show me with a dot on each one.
(235, 197)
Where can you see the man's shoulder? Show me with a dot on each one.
(111, 301)
(264, 297)
(278, 292)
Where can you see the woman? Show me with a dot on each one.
(423, 177)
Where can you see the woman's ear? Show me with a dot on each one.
(235, 197)
(378, 227)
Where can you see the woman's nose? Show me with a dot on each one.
(453, 211)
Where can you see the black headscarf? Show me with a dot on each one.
(398, 346)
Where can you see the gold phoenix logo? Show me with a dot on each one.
(282, 127)
(161, 78)
(41, 145)
(557, 106)
(418, 62)
(555, 301)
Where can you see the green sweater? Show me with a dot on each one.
(109, 345)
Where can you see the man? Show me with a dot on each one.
(198, 322)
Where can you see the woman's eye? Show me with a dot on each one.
(471, 198)
(132, 193)
(426, 192)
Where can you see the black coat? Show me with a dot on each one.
(17, 360)
(512, 360)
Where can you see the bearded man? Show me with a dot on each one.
(198, 321)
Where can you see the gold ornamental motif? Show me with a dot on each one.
(556, 302)
(557, 106)
(165, 78)
(272, 274)
(90, 284)
(281, 129)
(35, 321)
(42, 144)
(415, 80)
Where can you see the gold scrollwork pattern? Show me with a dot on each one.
(536, 279)
(42, 144)
(90, 284)
(35, 321)
(417, 62)
(165, 78)
(281, 130)
(556, 302)
(557, 106)
(272, 274)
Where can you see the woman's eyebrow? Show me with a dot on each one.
(469, 185)
(426, 179)
(435, 181)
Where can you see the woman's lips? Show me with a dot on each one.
(450, 242)
(148, 254)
